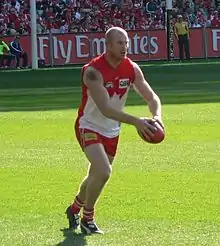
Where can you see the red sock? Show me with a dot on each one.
(77, 205)
(88, 214)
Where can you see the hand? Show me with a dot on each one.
(159, 120)
(145, 128)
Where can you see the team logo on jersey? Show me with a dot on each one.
(123, 83)
(109, 84)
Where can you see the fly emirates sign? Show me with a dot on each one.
(138, 45)
(80, 48)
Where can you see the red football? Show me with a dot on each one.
(159, 135)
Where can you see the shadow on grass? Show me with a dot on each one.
(72, 238)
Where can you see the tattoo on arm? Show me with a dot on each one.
(91, 75)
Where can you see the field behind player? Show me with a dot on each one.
(178, 198)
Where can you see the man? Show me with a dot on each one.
(5, 56)
(18, 52)
(106, 82)
(181, 31)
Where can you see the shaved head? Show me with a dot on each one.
(117, 43)
(112, 32)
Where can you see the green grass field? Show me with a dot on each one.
(166, 194)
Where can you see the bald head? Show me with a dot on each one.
(113, 32)
(117, 43)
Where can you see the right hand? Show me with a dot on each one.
(145, 128)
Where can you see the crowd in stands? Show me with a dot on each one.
(62, 16)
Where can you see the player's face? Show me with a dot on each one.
(119, 46)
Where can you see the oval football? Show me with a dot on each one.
(159, 135)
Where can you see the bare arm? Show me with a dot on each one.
(146, 92)
(94, 81)
(175, 32)
(187, 29)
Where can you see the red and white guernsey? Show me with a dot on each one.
(117, 82)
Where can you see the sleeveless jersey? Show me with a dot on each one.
(117, 82)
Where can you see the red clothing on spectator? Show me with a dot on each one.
(215, 22)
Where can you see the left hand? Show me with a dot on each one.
(159, 120)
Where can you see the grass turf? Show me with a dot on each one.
(166, 194)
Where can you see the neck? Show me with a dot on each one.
(112, 60)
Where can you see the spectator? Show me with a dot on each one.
(126, 4)
(11, 29)
(215, 22)
(18, 52)
(151, 7)
(3, 29)
(196, 24)
(41, 27)
(5, 56)
(182, 34)
(65, 27)
(138, 4)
